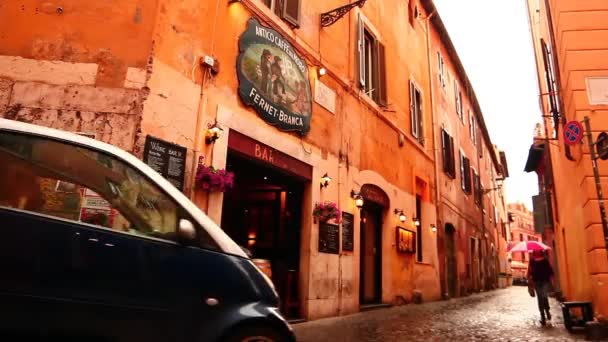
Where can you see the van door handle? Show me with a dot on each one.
(93, 240)
(107, 244)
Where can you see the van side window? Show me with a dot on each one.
(79, 184)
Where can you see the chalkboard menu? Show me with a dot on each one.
(329, 238)
(348, 233)
(168, 159)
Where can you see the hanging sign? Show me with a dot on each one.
(573, 132)
(273, 79)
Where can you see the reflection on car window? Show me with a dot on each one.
(79, 184)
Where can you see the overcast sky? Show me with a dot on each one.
(493, 41)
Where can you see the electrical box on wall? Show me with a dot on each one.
(211, 63)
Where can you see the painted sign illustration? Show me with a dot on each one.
(273, 79)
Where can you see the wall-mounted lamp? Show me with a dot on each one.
(401, 214)
(322, 71)
(358, 198)
(433, 228)
(214, 132)
(325, 180)
(416, 221)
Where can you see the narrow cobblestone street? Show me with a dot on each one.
(500, 315)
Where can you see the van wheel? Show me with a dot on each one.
(254, 333)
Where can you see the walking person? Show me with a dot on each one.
(540, 274)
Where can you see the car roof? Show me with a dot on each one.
(226, 244)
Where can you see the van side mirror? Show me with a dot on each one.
(186, 230)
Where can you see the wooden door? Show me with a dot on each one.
(371, 251)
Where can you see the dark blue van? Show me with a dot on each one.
(96, 246)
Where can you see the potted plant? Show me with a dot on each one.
(211, 179)
(326, 211)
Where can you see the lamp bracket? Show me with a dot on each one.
(328, 18)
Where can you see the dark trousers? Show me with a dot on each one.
(542, 294)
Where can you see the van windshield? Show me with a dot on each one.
(72, 182)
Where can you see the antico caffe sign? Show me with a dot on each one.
(273, 79)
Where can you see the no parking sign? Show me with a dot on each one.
(573, 132)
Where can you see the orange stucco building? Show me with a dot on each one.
(186, 71)
(570, 43)
(470, 171)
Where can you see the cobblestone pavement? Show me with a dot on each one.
(500, 315)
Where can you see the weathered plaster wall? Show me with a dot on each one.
(113, 34)
(63, 95)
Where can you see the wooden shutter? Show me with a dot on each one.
(548, 76)
(375, 72)
(462, 172)
(440, 68)
(291, 11)
(361, 50)
(413, 114)
(278, 7)
(381, 60)
(456, 96)
(445, 145)
(452, 158)
(467, 175)
(477, 187)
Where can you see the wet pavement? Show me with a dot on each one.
(500, 315)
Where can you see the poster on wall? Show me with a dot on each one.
(406, 241)
(348, 233)
(168, 159)
(273, 79)
(329, 238)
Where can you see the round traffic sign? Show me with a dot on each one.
(573, 132)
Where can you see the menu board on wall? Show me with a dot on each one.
(348, 232)
(168, 159)
(329, 238)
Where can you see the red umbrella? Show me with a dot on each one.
(528, 246)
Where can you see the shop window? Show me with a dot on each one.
(458, 96)
(447, 144)
(465, 173)
(65, 181)
(416, 113)
(288, 10)
(372, 64)
(441, 69)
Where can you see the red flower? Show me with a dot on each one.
(209, 178)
